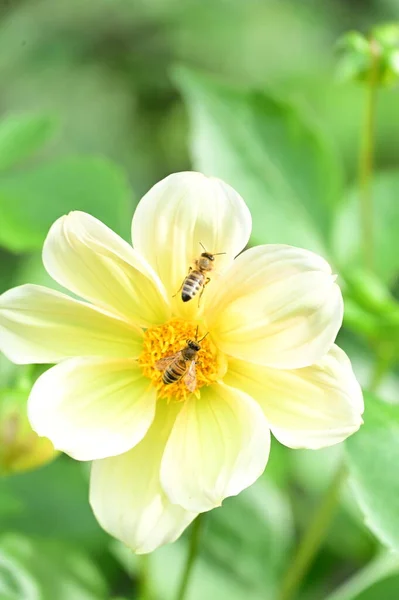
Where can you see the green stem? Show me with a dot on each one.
(192, 554)
(313, 537)
(366, 159)
(381, 367)
(144, 578)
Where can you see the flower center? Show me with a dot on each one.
(169, 340)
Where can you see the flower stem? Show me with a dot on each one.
(313, 537)
(192, 554)
(381, 367)
(144, 578)
(366, 158)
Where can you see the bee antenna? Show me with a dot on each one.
(219, 253)
(196, 333)
(203, 337)
(202, 246)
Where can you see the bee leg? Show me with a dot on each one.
(182, 283)
(203, 289)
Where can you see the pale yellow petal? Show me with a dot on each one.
(92, 407)
(314, 407)
(219, 446)
(177, 215)
(277, 306)
(126, 495)
(89, 259)
(39, 325)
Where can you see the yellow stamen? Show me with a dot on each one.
(163, 341)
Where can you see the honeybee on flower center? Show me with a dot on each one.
(181, 365)
(197, 278)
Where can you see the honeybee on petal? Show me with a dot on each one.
(181, 365)
(197, 278)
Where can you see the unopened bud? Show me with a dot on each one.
(21, 449)
(375, 57)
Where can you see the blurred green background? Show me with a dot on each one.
(99, 100)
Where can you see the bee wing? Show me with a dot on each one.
(190, 378)
(163, 363)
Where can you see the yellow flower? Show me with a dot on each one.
(268, 363)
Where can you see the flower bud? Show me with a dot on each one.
(21, 449)
(375, 57)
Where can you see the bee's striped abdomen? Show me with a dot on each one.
(174, 372)
(192, 285)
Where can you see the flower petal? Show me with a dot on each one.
(126, 495)
(219, 445)
(39, 325)
(92, 407)
(89, 259)
(277, 306)
(181, 211)
(314, 407)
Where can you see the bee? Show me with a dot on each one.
(197, 278)
(181, 365)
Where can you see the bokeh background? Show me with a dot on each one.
(102, 98)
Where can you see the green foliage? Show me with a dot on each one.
(269, 152)
(22, 135)
(372, 311)
(347, 239)
(373, 456)
(379, 580)
(371, 294)
(264, 509)
(236, 561)
(102, 72)
(51, 502)
(31, 200)
(312, 472)
(354, 62)
(375, 56)
(8, 371)
(34, 569)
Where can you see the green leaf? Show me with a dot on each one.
(8, 371)
(31, 270)
(379, 580)
(363, 362)
(269, 152)
(312, 473)
(22, 135)
(373, 458)
(9, 264)
(371, 294)
(51, 502)
(257, 526)
(371, 310)
(32, 200)
(243, 550)
(34, 569)
(347, 233)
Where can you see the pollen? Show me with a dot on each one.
(166, 340)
